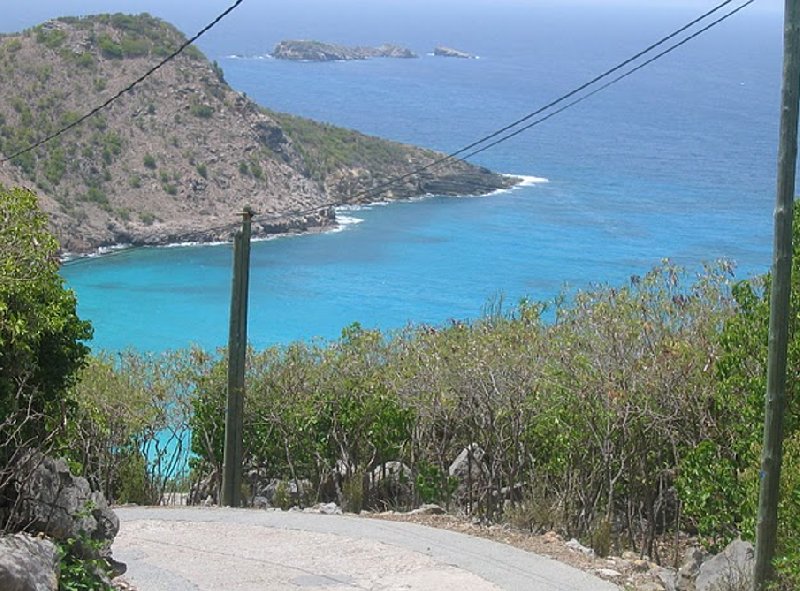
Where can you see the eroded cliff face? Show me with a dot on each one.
(177, 158)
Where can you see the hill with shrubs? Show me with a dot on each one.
(176, 158)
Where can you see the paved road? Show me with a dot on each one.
(208, 549)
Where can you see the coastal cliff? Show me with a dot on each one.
(177, 157)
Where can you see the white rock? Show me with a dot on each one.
(28, 564)
(574, 544)
(330, 509)
(428, 509)
(730, 569)
(608, 572)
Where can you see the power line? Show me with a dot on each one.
(128, 88)
(468, 149)
(451, 156)
(593, 81)
(612, 82)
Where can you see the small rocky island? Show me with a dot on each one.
(317, 51)
(442, 51)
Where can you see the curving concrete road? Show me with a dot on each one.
(209, 549)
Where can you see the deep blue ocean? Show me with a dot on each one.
(677, 161)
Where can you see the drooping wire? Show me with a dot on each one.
(611, 82)
(128, 88)
(593, 81)
(374, 191)
(467, 151)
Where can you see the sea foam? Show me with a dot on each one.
(343, 222)
(527, 181)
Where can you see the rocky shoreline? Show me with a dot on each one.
(324, 220)
(443, 51)
(317, 51)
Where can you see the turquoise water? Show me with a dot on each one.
(675, 162)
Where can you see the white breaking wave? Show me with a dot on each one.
(261, 56)
(344, 221)
(68, 257)
(347, 220)
(352, 207)
(191, 244)
(527, 181)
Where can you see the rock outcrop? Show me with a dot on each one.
(730, 569)
(49, 500)
(317, 51)
(470, 472)
(28, 564)
(442, 51)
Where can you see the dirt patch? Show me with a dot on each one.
(632, 572)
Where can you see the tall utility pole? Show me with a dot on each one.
(775, 402)
(237, 350)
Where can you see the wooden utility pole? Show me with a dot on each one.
(775, 402)
(237, 351)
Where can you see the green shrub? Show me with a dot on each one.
(56, 166)
(78, 574)
(13, 45)
(109, 48)
(27, 162)
(434, 485)
(717, 497)
(537, 512)
(52, 38)
(133, 484)
(719, 479)
(41, 336)
(282, 499)
(129, 432)
(69, 117)
(83, 59)
(353, 493)
(193, 53)
(96, 195)
(132, 47)
(601, 537)
(256, 170)
(149, 162)
(218, 72)
(202, 111)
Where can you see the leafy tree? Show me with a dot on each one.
(41, 336)
(719, 480)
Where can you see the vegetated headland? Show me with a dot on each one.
(318, 51)
(174, 159)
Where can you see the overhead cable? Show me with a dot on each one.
(470, 152)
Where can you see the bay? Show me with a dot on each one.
(674, 162)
